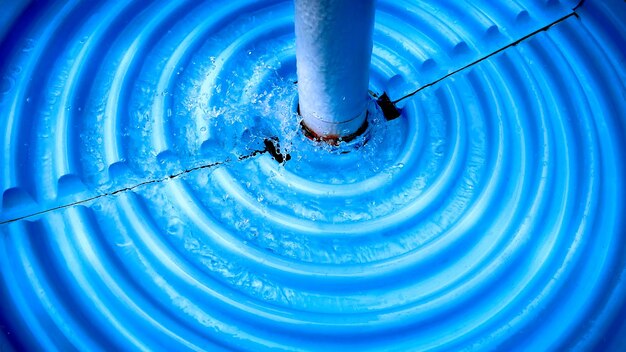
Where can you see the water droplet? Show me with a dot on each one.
(29, 44)
(203, 129)
(175, 227)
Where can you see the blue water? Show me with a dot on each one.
(143, 210)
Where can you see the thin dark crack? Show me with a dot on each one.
(130, 188)
(544, 28)
(54, 209)
(579, 5)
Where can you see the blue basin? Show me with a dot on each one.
(157, 191)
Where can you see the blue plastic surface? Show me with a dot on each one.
(142, 211)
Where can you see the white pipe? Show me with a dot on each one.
(333, 54)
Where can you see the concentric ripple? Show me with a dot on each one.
(141, 210)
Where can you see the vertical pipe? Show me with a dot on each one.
(333, 54)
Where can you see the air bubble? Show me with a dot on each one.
(5, 85)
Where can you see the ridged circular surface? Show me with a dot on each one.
(141, 208)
